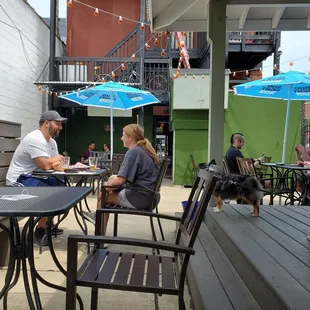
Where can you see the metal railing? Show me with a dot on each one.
(155, 79)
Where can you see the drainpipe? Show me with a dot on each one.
(141, 43)
(52, 48)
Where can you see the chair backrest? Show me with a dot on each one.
(10, 138)
(103, 158)
(225, 165)
(196, 207)
(246, 166)
(116, 162)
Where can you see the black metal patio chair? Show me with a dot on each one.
(131, 271)
(153, 206)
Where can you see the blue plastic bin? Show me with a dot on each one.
(184, 203)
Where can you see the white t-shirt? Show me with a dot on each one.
(32, 146)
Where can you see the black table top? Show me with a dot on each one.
(50, 201)
(82, 173)
(285, 166)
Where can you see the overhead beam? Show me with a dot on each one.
(172, 12)
(233, 25)
(276, 17)
(308, 22)
(269, 3)
(243, 17)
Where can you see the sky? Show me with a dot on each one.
(295, 44)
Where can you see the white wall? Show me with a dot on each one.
(194, 94)
(20, 101)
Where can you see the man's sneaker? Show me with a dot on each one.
(90, 216)
(39, 238)
(59, 230)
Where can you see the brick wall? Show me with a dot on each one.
(21, 63)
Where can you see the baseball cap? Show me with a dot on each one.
(52, 116)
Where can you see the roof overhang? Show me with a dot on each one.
(242, 15)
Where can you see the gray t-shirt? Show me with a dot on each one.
(32, 146)
(139, 169)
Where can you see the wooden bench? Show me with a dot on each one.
(9, 140)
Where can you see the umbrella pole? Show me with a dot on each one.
(111, 130)
(288, 109)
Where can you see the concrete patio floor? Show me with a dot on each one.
(129, 226)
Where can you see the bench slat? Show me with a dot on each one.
(10, 130)
(121, 276)
(152, 278)
(138, 270)
(3, 172)
(5, 159)
(8, 145)
(108, 268)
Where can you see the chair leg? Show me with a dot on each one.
(154, 233)
(94, 299)
(70, 296)
(115, 225)
(181, 303)
(160, 227)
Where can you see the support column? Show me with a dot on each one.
(276, 53)
(217, 39)
(52, 72)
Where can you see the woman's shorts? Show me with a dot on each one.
(124, 201)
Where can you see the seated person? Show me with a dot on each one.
(85, 155)
(140, 168)
(236, 144)
(38, 151)
(106, 148)
(302, 159)
(302, 154)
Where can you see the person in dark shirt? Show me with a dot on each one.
(236, 144)
(85, 154)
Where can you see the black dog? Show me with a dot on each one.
(234, 187)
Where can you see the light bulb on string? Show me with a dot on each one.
(120, 20)
(123, 67)
(113, 74)
(160, 34)
(274, 67)
(202, 76)
(147, 46)
(96, 13)
(246, 72)
(163, 53)
(194, 76)
(182, 44)
(142, 26)
(234, 74)
(69, 4)
(133, 57)
(175, 76)
(156, 42)
(291, 64)
(185, 76)
(178, 44)
(184, 34)
(86, 87)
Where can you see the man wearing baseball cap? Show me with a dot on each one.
(38, 151)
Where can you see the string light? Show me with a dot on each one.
(96, 13)
(120, 20)
(142, 26)
(291, 64)
(133, 57)
(156, 42)
(69, 4)
(147, 46)
(163, 53)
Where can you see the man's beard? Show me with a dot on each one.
(53, 133)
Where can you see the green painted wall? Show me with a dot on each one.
(81, 129)
(260, 120)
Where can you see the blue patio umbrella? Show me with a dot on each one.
(112, 96)
(292, 85)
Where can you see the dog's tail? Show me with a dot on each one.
(251, 184)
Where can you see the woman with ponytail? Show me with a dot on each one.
(139, 168)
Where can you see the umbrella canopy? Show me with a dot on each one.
(112, 95)
(292, 85)
(120, 96)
